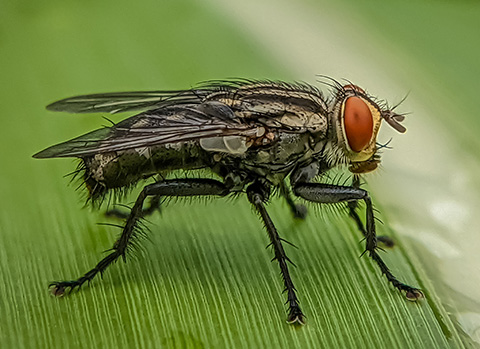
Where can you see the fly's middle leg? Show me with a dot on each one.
(298, 210)
(257, 195)
(328, 194)
(154, 205)
(178, 187)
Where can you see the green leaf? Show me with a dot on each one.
(204, 280)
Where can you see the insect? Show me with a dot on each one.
(255, 137)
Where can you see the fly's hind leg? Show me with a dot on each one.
(352, 211)
(330, 194)
(177, 187)
(154, 205)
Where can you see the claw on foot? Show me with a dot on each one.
(414, 294)
(296, 317)
(58, 289)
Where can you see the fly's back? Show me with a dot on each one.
(290, 107)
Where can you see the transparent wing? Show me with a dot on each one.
(167, 125)
(118, 102)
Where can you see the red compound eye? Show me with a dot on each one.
(358, 123)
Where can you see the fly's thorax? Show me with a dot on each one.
(271, 155)
(288, 148)
(356, 120)
(295, 108)
(280, 119)
(277, 159)
(292, 117)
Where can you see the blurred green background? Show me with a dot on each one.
(205, 280)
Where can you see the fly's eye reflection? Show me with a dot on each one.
(248, 138)
(358, 123)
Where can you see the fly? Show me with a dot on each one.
(255, 136)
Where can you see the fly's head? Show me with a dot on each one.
(357, 119)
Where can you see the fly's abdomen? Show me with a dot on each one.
(122, 168)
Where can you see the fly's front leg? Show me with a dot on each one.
(352, 210)
(328, 194)
(178, 187)
(257, 195)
